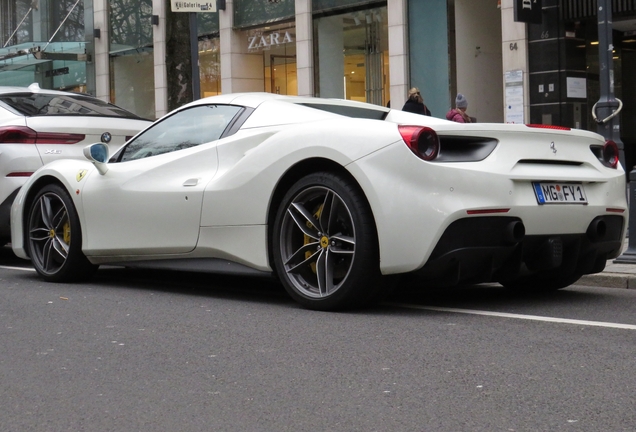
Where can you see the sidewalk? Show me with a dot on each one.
(615, 275)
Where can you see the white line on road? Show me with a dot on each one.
(17, 268)
(518, 316)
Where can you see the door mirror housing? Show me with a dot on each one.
(98, 154)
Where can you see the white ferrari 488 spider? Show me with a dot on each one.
(330, 196)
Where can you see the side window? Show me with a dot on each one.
(185, 129)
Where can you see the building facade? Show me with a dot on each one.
(366, 50)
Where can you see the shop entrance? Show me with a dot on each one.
(362, 73)
(280, 74)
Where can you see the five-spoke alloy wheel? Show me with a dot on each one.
(54, 237)
(325, 243)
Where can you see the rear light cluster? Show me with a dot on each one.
(26, 135)
(607, 154)
(422, 141)
(610, 154)
(427, 145)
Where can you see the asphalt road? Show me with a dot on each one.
(140, 351)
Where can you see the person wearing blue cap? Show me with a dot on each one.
(458, 114)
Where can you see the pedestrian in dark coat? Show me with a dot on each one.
(415, 103)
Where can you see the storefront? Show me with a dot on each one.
(43, 42)
(132, 84)
(277, 45)
(209, 53)
(352, 56)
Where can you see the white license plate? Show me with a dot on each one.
(559, 193)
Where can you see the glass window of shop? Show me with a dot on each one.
(132, 84)
(270, 32)
(250, 13)
(209, 53)
(352, 56)
(278, 45)
(44, 43)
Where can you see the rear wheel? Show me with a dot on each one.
(325, 244)
(54, 237)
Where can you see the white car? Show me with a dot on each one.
(38, 126)
(329, 196)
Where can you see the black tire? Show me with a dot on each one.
(54, 237)
(325, 244)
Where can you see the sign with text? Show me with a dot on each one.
(259, 41)
(192, 6)
(514, 96)
(528, 11)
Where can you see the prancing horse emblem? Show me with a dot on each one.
(80, 175)
(553, 147)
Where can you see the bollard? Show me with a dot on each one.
(629, 256)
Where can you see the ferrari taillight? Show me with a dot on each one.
(610, 154)
(26, 135)
(423, 141)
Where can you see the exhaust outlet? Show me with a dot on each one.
(514, 232)
(597, 230)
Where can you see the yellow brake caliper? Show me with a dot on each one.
(309, 240)
(67, 233)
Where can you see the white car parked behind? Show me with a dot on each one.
(38, 126)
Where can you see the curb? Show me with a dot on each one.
(608, 280)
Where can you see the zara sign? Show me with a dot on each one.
(261, 42)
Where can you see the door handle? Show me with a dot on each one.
(191, 182)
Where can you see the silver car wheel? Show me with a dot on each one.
(317, 242)
(49, 233)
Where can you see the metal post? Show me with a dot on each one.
(606, 110)
(194, 54)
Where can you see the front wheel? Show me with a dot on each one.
(54, 237)
(325, 244)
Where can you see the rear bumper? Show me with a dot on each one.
(494, 249)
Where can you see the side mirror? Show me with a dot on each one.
(98, 154)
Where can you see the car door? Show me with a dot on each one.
(149, 200)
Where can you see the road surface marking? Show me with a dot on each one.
(17, 268)
(519, 316)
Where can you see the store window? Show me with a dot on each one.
(352, 57)
(132, 84)
(249, 13)
(210, 66)
(278, 47)
(209, 53)
(43, 42)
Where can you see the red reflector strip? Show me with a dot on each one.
(487, 211)
(20, 174)
(615, 210)
(542, 126)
